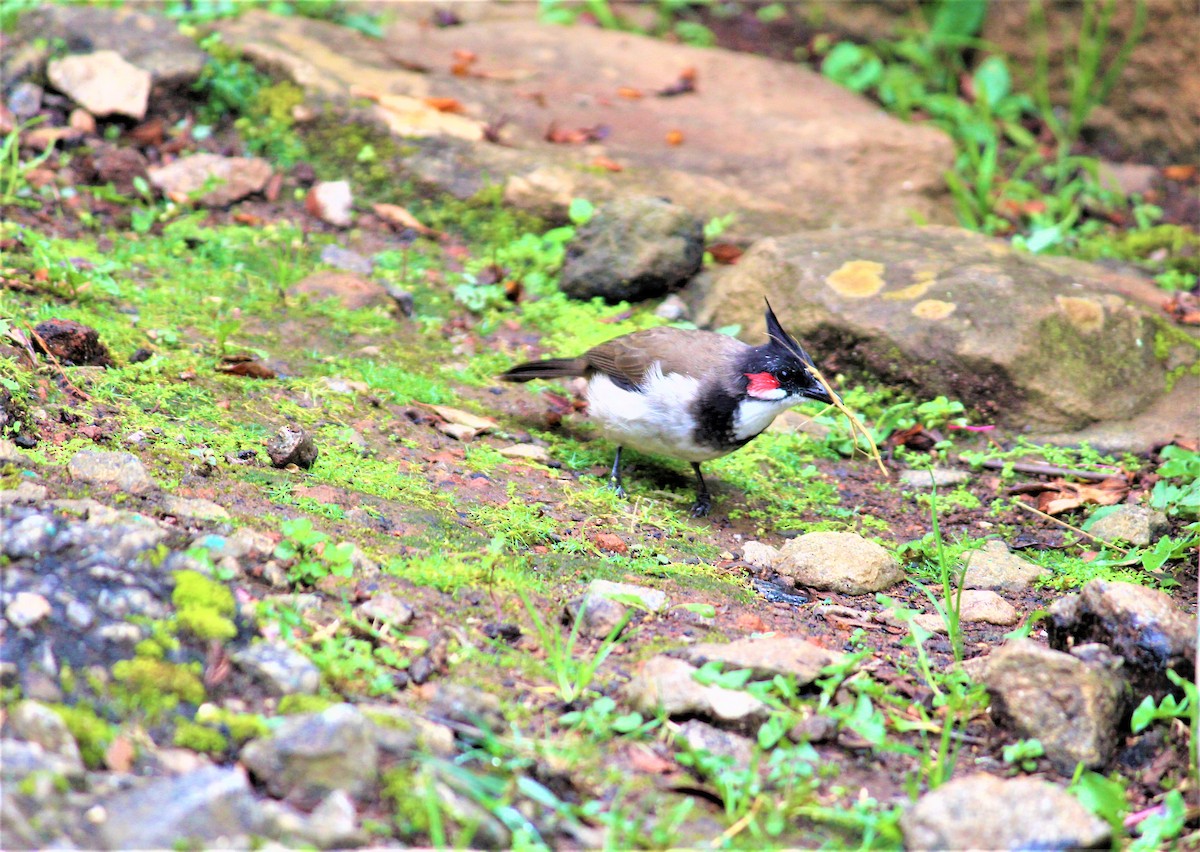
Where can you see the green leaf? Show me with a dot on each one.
(580, 211)
(853, 66)
(992, 81)
(954, 20)
(701, 609)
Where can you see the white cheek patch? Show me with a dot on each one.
(768, 395)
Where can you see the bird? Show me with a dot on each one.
(686, 393)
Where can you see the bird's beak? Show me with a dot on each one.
(820, 395)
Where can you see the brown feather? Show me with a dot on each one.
(628, 358)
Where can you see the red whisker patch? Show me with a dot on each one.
(761, 383)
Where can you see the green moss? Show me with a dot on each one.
(149, 649)
(1161, 248)
(194, 590)
(154, 685)
(296, 704)
(200, 738)
(240, 726)
(92, 734)
(205, 623)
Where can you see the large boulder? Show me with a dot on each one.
(772, 142)
(1025, 340)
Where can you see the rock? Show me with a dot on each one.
(774, 182)
(119, 166)
(37, 723)
(72, 343)
(310, 756)
(147, 40)
(292, 445)
(23, 759)
(940, 476)
(841, 562)
(1072, 707)
(994, 567)
(333, 824)
(975, 606)
(235, 178)
(332, 202)
(984, 812)
(25, 99)
(26, 609)
(352, 291)
(672, 309)
(760, 555)
(946, 311)
(101, 467)
(25, 492)
(346, 260)
(1143, 626)
(279, 668)
(10, 453)
(701, 736)
(1137, 525)
(28, 537)
(387, 609)
(102, 83)
(456, 702)
(532, 452)
(633, 249)
(193, 507)
(666, 684)
(767, 657)
(602, 614)
(211, 807)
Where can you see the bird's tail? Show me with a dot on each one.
(553, 368)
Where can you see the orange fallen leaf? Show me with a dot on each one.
(682, 86)
(674, 137)
(445, 104)
(1183, 174)
(629, 93)
(248, 219)
(726, 253)
(119, 755)
(463, 60)
(607, 164)
(1184, 308)
(575, 135)
(1062, 496)
(643, 759)
(245, 365)
(457, 417)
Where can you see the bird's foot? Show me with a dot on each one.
(701, 506)
(617, 487)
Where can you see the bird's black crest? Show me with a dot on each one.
(776, 332)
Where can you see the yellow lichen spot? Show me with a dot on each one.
(1085, 314)
(933, 309)
(912, 291)
(857, 279)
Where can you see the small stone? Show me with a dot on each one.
(25, 493)
(602, 614)
(28, 537)
(532, 452)
(103, 83)
(456, 702)
(667, 684)
(308, 757)
(213, 806)
(1073, 708)
(82, 121)
(80, 615)
(72, 343)
(235, 178)
(25, 99)
(281, 669)
(975, 606)
(766, 657)
(984, 812)
(26, 609)
(10, 453)
(100, 467)
(39, 724)
(353, 291)
(841, 562)
(388, 609)
(292, 445)
(610, 542)
(1137, 525)
(760, 555)
(346, 260)
(701, 736)
(331, 202)
(193, 507)
(121, 166)
(940, 476)
(994, 567)
(672, 309)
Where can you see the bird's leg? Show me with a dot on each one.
(614, 479)
(703, 498)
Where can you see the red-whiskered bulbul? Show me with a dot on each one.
(692, 395)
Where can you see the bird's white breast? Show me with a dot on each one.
(658, 419)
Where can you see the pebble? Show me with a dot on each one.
(667, 684)
(331, 202)
(350, 261)
(103, 83)
(767, 656)
(975, 606)
(26, 493)
(231, 178)
(984, 812)
(942, 477)
(281, 669)
(37, 723)
(1137, 525)
(292, 445)
(531, 452)
(101, 467)
(26, 609)
(840, 562)
(388, 609)
(994, 567)
(193, 507)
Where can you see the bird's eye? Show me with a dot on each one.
(784, 375)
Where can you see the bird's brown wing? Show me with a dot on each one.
(628, 358)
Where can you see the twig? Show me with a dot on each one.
(1072, 528)
(739, 826)
(1048, 470)
(855, 424)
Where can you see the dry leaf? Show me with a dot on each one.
(726, 253)
(1183, 174)
(1062, 496)
(119, 755)
(576, 135)
(684, 85)
(607, 164)
(399, 217)
(445, 104)
(1184, 308)
(245, 365)
(674, 137)
(643, 759)
(629, 93)
(465, 419)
